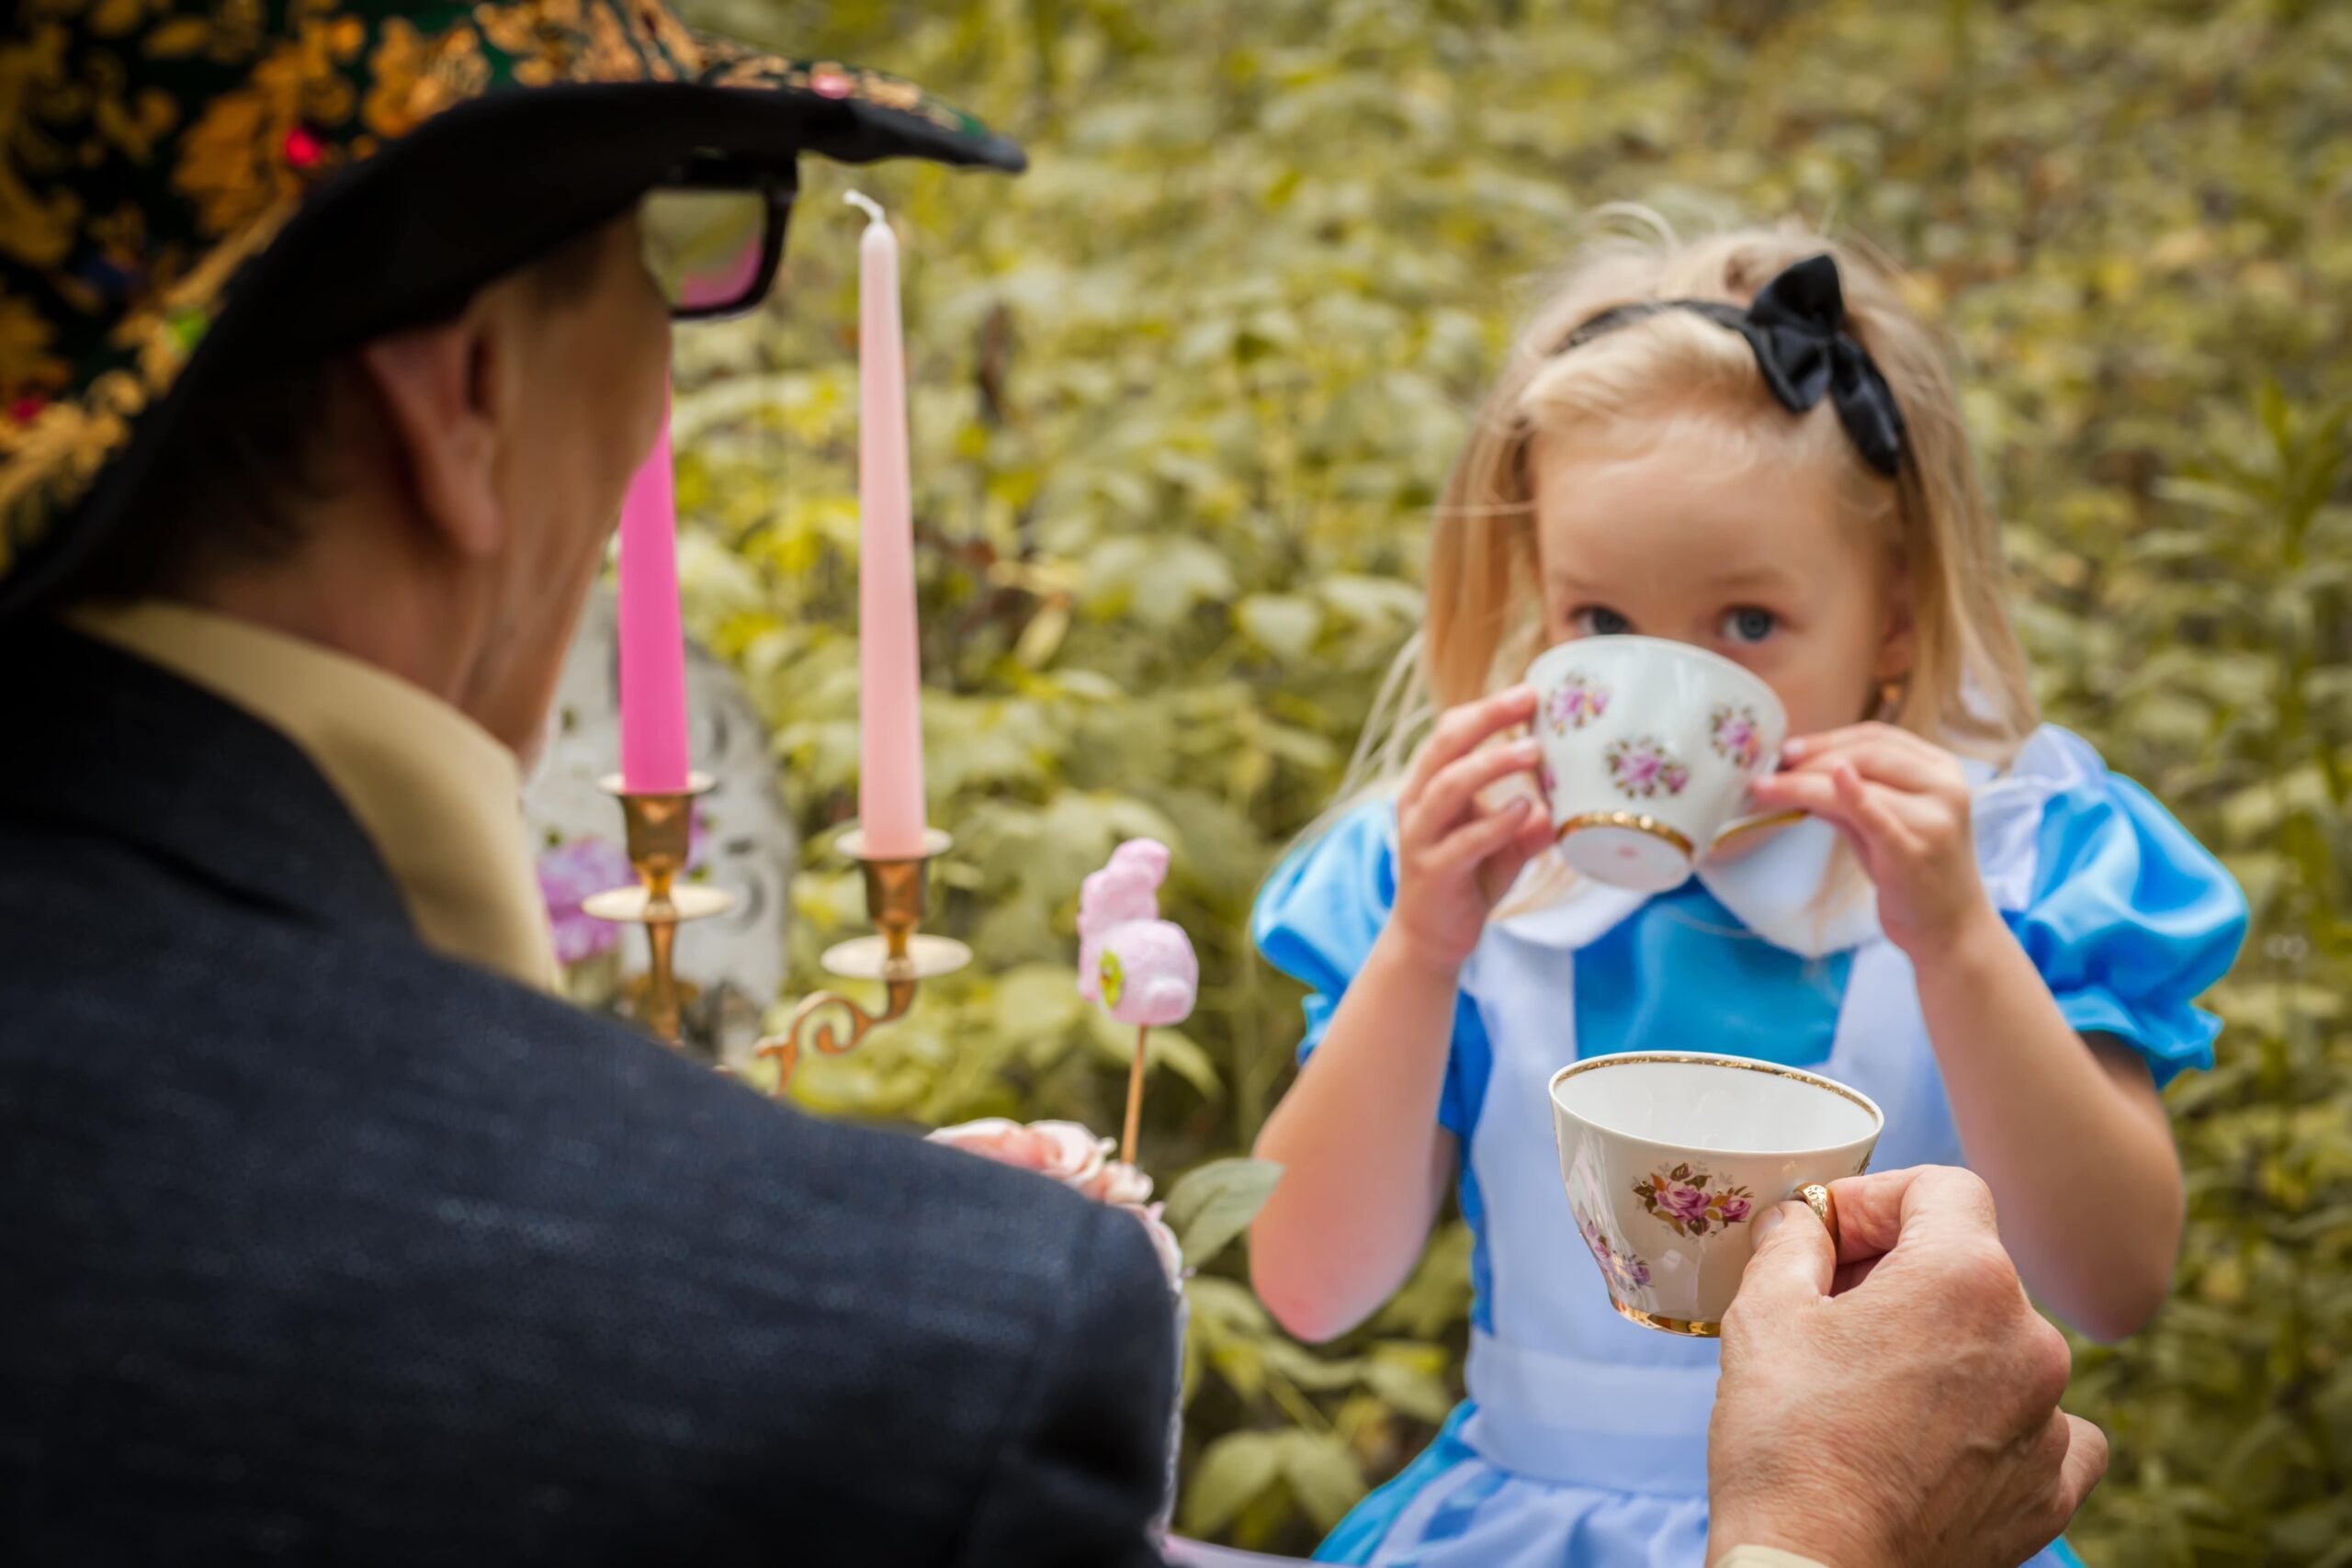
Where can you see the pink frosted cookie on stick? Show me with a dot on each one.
(1140, 967)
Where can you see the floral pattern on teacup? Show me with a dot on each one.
(1694, 1201)
(1577, 702)
(1738, 737)
(1643, 768)
(1624, 1272)
(1547, 781)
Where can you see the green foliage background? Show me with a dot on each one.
(1187, 387)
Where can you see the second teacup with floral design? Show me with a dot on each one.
(1649, 748)
(1669, 1156)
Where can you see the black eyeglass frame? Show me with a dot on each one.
(777, 187)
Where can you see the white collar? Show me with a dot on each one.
(1781, 890)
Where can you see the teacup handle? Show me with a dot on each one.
(1753, 822)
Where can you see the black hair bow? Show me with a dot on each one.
(1796, 325)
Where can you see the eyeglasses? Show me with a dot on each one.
(713, 235)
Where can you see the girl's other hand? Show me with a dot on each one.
(1902, 802)
(1462, 841)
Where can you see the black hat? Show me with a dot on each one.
(192, 191)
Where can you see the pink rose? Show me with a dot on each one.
(1079, 1160)
(1685, 1204)
(1733, 1210)
(1120, 1183)
(1062, 1150)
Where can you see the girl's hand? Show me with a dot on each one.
(1902, 802)
(1455, 856)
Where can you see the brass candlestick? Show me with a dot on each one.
(898, 955)
(661, 828)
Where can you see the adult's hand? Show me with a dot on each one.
(1894, 1401)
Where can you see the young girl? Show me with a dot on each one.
(1750, 444)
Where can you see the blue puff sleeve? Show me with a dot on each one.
(2130, 919)
(1316, 920)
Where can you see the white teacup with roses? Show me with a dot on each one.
(1669, 1156)
(1649, 748)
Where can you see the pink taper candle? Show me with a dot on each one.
(654, 646)
(889, 796)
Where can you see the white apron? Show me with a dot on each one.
(1586, 1441)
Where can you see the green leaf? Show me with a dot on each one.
(1412, 1377)
(1283, 624)
(1210, 1206)
(1038, 999)
(1323, 1475)
(1170, 1048)
(1233, 1470)
(1438, 1295)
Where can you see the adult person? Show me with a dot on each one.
(330, 335)
(331, 332)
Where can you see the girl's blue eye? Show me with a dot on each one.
(1750, 624)
(1598, 620)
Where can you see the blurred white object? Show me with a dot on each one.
(746, 844)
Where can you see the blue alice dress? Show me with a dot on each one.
(1583, 1441)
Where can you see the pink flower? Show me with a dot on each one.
(1062, 1150)
(1625, 1271)
(1576, 704)
(1684, 1202)
(1079, 1161)
(1119, 1183)
(1641, 768)
(1733, 1209)
(569, 875)
(1737, 739)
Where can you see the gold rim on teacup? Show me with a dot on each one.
(1708, 1059)
(1689, 1328)
(1633, 822)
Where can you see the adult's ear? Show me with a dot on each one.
(442, 389)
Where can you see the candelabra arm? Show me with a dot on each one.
(898, 955)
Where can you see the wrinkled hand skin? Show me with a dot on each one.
(1893, 1405)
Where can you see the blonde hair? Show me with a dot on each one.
(1968, 688)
